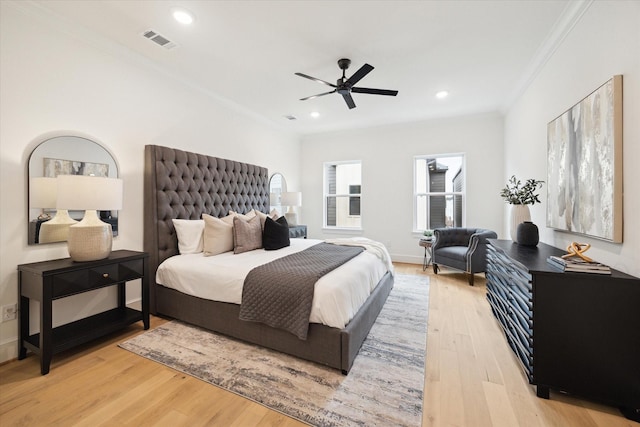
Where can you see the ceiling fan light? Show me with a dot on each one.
(442, 94)
(314, 114)
(183, 16)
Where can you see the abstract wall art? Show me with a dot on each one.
(584, 161)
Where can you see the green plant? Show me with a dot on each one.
(428, 233)
(516, 193)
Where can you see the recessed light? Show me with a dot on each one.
(442, 94)
(314, 114)
(183, 16)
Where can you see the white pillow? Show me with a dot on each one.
(263, 216)
(190, 234)
(218, 234)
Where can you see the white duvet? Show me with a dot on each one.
(337, 298)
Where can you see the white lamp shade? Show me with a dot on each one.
(43, 192)
(292, 198)
(79, 192)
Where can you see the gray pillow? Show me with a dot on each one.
(247, 234)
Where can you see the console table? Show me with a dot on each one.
(573, 332)
(50, 280)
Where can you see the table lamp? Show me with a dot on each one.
(43, 194)
(291, 199)
(91, 238)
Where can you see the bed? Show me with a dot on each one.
(184, 185)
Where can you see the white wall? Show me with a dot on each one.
(605, 42)
(53, 83)
(387, 175)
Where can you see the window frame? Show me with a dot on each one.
(416, 195)
(348, 196)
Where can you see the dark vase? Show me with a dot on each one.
(528, 234)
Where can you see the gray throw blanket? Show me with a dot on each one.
(280, 293)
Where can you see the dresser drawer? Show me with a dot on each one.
(105, 275)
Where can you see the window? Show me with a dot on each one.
(342, 194)
(439, 189)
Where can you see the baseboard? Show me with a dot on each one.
(8, 350)
(409, 259)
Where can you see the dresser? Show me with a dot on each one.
(572, 332)
(51, 280)
(298, 231)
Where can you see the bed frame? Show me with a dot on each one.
(180, 184)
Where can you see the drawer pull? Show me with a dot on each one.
(105, 275)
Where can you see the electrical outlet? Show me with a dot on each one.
(9, 312)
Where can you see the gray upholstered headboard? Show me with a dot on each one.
(180, 184)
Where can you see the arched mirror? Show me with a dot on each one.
(277, 186)
(63, 155)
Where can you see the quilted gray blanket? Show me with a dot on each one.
(280, 293)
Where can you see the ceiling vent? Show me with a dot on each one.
(290, 117)
(159, 39)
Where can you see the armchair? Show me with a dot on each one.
(461, 248)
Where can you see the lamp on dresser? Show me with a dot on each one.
(91, 238)
(291, 199)
(43, 193)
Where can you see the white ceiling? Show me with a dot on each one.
(246, 52)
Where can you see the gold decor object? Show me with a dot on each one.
(91, 238)
(578, 249)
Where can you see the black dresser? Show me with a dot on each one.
(572, 332)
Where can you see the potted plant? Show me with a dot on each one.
(520, 196)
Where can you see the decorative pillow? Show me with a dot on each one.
(263, 217)
(247, 235)
(274, 214)
(190, 234)
(246, 216)
(276, 234)
(218, 234)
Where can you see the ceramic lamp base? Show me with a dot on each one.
(90, 239)
(57, 228)
(292, 218)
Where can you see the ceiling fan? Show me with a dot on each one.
(346, 86)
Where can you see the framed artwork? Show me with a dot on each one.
(584, 161)
(55, 167)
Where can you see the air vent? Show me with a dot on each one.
(159, 39)
(290, 117)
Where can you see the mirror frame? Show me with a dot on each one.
(278, 194)
(64, 148)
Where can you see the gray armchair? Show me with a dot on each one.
(461, 248)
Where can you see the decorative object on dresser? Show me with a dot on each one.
(91, 238)
(51, 280)
(527, 234)
(572, 332)
(584, 163)
(461, 248)
(291, 199)
(520, 196)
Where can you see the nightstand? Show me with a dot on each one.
(50, 280)
(298, 231)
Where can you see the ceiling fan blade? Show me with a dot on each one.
(355, 78)
(314, 79)
(374, 91)
(349, 100)
(315, 96)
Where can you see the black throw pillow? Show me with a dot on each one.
(276, 234)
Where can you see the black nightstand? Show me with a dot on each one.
(298, 231)
(50, 280)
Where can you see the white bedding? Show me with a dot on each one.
(337, 298)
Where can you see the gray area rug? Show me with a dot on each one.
(384, 387)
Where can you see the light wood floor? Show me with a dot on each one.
(472, 379)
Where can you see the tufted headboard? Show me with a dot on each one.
(180, 184)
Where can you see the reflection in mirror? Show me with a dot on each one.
(63, 155)
(277, 186)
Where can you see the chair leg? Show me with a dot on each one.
(470, 277)
(435, 268)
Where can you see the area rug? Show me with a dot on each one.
(384, 387)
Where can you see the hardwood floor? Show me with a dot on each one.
(472, 379)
